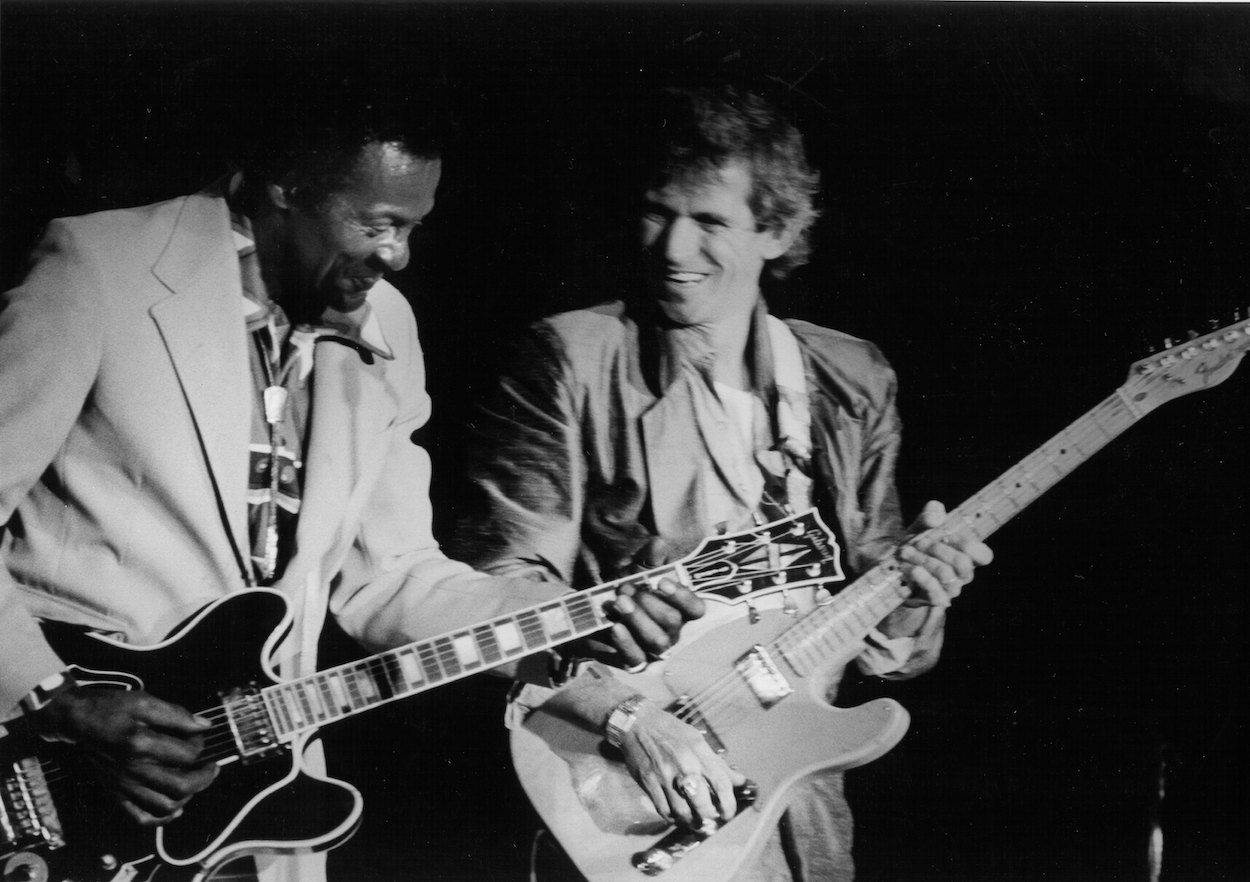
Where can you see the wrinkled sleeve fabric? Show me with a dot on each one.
(50, 350)
(527, 468)
(396, 584)
(882, 529)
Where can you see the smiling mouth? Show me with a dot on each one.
(684, 279)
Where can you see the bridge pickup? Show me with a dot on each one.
(683, 840)
(763, 677)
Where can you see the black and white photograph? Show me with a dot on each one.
(598, 441)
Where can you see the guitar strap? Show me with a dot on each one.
(792, 419)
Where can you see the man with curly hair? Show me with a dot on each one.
(627, 432)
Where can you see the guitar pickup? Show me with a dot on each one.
(250, 724)
(683, 840)
(763, 677)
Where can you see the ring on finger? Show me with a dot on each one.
(687, 784)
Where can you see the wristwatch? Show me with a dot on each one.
(622, 719)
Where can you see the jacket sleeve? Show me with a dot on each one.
(883, 529)
(396, 584)
(50, 350)
(527, 469)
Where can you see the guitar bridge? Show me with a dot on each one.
(250, 724)
(27, 816)
(683, 840)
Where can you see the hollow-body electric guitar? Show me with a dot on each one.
(753, 680)
(219, 664)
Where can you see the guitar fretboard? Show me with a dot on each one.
(834, 630)
(339, 692)
(788, 553)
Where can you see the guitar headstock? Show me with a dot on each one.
(1194, 365)
(789, 553)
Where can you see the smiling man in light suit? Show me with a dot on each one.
(216, 393)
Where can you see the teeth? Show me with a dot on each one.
(685, 277)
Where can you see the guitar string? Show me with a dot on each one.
(706, 701)
(1088, 430)
(821, 633)
(218, 714)
(383, 666)
(1023, 473)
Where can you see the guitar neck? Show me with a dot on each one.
(306, 703)
(830, 630)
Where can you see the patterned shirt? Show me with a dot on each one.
(281, 365)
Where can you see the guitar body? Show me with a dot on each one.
(586, 796)
(271, 805)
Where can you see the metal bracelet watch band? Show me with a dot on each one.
(622, 719)
(47, 689)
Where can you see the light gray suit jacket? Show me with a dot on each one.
(125, 407)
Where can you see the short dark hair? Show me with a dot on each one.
(696, 131)
(308, 134)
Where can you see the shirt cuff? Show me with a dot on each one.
(46, 690)
(884, 655)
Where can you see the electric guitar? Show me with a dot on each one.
(753, 680)
(265, 800)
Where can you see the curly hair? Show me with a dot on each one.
(695, 132)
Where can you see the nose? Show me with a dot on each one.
(393, 252)
(681, 239)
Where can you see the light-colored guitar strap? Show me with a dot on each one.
(794, 413)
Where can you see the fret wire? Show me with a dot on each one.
(468, 651)
(309, 715)
(335, 691)
(312, 689)
(276, 712)
(362, 685)
(387, 670)
(513, 628)
(447, 656)
(429, 660)
(410, 666)
(488, 646)
(532, 630)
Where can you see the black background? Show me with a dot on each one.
(1020, 200)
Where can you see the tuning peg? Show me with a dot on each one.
(1191, 334)
(1167, 343)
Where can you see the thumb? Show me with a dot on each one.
(932, 515)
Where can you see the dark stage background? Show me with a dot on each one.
(1021, 200)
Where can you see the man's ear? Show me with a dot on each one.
(777, 242)
(279, 195)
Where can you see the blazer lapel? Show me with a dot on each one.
(202, 326)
